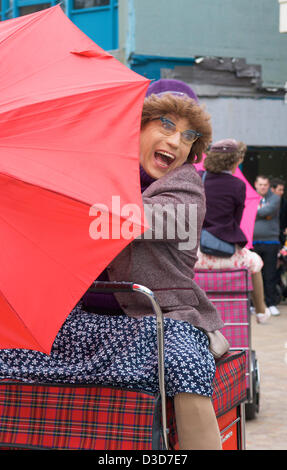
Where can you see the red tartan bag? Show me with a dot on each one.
(88, 417)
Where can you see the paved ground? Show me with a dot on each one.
(268, 431)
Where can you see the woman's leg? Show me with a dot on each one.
(258, 292)
(196, 423)
(262, 312)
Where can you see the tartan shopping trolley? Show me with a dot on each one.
(90, 417)
(229, 290)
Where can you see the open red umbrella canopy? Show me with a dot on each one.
(69, 167)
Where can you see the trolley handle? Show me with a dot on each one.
(112, 286)
(106, 286)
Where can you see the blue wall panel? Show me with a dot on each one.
(100, 23)
(150, 66)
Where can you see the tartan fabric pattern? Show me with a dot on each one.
(237, 336)
(75, 417)
(233, 308)
(92, 417)
(231, 280)
(229, 291)
(229, 386)
(229, 389)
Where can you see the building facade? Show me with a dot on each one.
(232, 54)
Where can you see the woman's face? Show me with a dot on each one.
(161, 153)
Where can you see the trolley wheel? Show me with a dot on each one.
(252, 408)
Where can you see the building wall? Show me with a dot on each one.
(261, 123)
(224, 28)
(230, 51)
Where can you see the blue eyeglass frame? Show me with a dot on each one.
(190, 131)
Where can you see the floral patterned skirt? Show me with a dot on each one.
(242, 258)
(117, 351)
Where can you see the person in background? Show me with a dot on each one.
(266, 238)
(277, 186)
(225, 202)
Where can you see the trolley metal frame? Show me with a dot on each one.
(104, 287)
(252, 372)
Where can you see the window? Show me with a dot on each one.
(26, 10)
(269, 161)
(80, 4)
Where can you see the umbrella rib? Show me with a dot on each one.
(45, 189)
(29, 22)
(68, 197)
(86, 98)
(62, 173)
(22, 322)
(109, 85)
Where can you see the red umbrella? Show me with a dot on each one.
(69, 139)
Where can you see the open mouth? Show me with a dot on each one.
(164, 159)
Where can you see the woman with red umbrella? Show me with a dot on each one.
(116, 344)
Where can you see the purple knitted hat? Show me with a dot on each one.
(224, 146)
(175, 87)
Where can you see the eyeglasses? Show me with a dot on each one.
(169, 128)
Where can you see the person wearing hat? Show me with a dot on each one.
(225, 201)
(115, 343)
(175, 132)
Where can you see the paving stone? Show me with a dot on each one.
(268, 431)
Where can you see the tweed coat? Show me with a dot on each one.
(164, 260)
